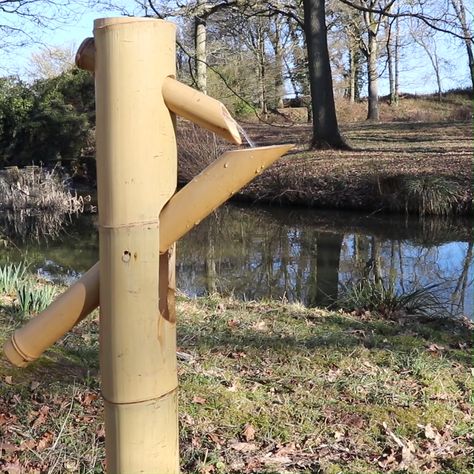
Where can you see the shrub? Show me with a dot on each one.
(197, 148)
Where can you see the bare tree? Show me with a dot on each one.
(23, 20)
(427, 41)
(461, 15)
(325, 127)
(50, 61)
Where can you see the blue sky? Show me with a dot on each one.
(416, 74)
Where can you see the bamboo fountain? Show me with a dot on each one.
(141, 216)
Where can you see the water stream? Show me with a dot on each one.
(297, 254)
(246, 136)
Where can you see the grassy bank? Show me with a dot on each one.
(265, 388)
(420, 168)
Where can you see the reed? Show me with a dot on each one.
(383, 299)
(32, 298)
(11, 277)
(35, 202)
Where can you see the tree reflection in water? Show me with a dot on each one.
(306, 255)
(301, 255)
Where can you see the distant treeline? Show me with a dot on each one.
(50, 121)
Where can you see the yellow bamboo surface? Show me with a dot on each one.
(186, 208)
(136, 176)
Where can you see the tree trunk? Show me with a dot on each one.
(200, 53)
(278, 69)
(390, 64)
(352, 74)
(261, 54)
(329, 252)
(460, 10)
(397, 61)
(325, 128)
(373, 112)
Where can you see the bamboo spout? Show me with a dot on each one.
(213, 186)
(181, 99)
(201, 109)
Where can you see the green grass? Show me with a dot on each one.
(323, 392)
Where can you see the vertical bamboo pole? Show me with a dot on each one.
(136, 169)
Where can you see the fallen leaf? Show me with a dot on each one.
(45, 441)
(12, 468)
(214, 438)
(34, 385)
(9, 380)
(249, 432)
(71, 466)
(87, 398)
(28, 444)
(199, 400)
(260, 326)
(435, 348)
(243, 447)
(232, 388)
(42, 415)
(277, 460)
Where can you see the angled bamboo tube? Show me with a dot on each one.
(137, 175)
(186, 209)
(201, 109)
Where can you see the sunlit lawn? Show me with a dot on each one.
(265, 388)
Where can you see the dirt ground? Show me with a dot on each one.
(363, 178)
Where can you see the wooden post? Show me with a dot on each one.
(136, 171)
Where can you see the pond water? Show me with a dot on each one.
(296, 254)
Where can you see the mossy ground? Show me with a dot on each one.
(265, 387)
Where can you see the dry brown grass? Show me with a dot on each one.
(351, 179)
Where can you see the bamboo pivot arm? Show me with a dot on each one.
(181, 99)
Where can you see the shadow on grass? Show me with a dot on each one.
(341, 334)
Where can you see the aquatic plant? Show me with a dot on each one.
(424, 195)
(382, 298)
(11, 277)
(33, 297)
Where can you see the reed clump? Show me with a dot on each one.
(33, 297)
(422, 195)
(34, 202)
(384, 299)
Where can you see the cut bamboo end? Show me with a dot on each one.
(15, 355)
(31, 340)
(201, 109)
(85, 56)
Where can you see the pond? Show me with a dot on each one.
(300, 255)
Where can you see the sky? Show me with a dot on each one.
(416, 74)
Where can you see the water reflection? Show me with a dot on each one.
(305, 255)
(300, 255)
